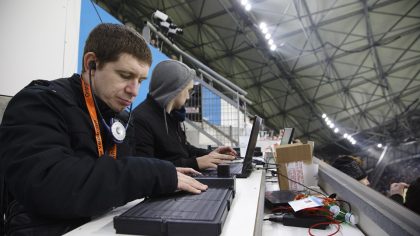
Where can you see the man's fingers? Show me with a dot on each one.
(405, 185)
(226, 150)
(224, 157)
(188, 171)
(189, 184)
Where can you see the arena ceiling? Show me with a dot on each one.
(357, 61)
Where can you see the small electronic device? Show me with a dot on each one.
(300, 220)
(279, 198)
(181, 213)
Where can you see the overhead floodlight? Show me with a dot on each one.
(345, 135)
(244, 2)
(270, 42)
(324, 115)
(332, 125)
(379, 145)
(267, 36)
(248, 7)
(263, 25)
(273, 47)
(264, 30)
(336, 130)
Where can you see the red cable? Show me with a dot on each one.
(325, 223)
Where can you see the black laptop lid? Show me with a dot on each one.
(252, 143)
(287, 136)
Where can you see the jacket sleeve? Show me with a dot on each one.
(144, 140)
(397, 198)
(146, 145)
(48, 177)
(195, 151)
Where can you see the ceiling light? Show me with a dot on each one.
(267, 36)
(379, 145)
(263, 25)
(270, 42)
(345, 135)
(336, 130)
(264, 30)
(282, 44)
(248, 7)
(273, 47)
(244, 2)
(324, 115)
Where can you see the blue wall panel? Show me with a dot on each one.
(211, 107)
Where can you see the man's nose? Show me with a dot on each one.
(133, 88)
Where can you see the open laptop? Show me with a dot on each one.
(243, 169)
(287, 136)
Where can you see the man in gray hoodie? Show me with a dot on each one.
(158, 119)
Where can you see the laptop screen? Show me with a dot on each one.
(252, 141)
(287, 136)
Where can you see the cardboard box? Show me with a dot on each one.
(293, 160)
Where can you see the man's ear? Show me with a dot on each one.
(89, 61)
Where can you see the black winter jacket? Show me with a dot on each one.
(51, 173)
(153, 140)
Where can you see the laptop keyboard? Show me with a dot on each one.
(236, 169)
(182, 206)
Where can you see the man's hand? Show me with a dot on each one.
(188, 171)
(397, 188)
(187, 183)
(226, 150)
(213, 159)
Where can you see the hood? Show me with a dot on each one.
(169, 78)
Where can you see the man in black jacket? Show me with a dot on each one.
(157, 120)
(64, 155)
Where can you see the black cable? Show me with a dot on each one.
(97, 13)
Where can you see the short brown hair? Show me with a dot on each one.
(108, 41)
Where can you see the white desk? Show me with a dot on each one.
(243, 219)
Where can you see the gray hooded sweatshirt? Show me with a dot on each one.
(169, 78)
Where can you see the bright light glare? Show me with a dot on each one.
(336, 130)
(273, 47)
(379, 145)
(248, 7)
(264, 30)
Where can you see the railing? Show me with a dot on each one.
(218, 108)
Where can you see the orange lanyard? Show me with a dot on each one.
(87, 94)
